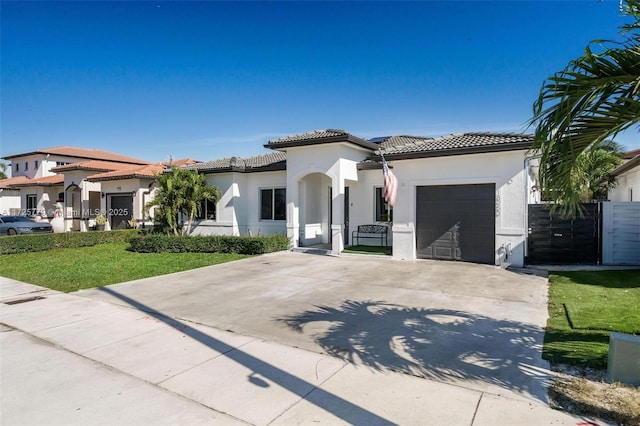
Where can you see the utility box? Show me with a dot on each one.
(624, 358)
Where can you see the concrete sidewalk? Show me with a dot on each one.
(66, 359)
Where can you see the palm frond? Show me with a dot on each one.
(593, 99)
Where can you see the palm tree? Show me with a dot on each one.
(591, 178)
(593, 99)
(165, 198)
(181, 193)
(197, 191)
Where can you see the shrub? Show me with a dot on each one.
(41, 242)
(156, 243)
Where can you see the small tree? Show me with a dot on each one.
(181, 194)
(591, 178)
(3, 170)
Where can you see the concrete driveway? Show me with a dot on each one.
(476, 326)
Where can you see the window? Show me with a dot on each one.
(17, 167)
(26, 165)
(94, 204)
(273, 203)
(207, 210)
(61, 163)
(35, 164)
(384, 212)
(32, 205)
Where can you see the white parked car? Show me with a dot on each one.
(16, 225)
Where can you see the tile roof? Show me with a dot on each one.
(93, 165)
(315, 134)
(148, 171)
(628, 165)
(317, 137)
(462, 143)
(631, 154)
(23, 181)
(12, 181)
(181, 162)
(272, 161)
(395, 141)
(70, 151)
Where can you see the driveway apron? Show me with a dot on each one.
(476, 326)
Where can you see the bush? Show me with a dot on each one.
(42, 242)
(156, 243)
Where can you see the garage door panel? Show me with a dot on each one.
(456, 222)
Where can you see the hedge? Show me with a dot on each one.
(156, 243)
(42, 242)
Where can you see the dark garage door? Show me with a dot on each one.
(121, 211)
(456, 222)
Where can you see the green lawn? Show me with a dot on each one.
(72, 269)
(368, 250)
(584, 307)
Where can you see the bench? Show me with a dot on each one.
(379, 232)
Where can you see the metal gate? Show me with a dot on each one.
(621, 233)
(553, 240)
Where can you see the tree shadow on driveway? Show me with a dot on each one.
(440, 344)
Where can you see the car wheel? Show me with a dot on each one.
(12, 232)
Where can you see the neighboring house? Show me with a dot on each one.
(125, 193)
(627, 178)
(73, 177)
(460, 197)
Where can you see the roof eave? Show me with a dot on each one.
(282, 165)
(457, 151)
(635, 161)
(321, 141)
(9, 157)
(124, 177)
(28, 185)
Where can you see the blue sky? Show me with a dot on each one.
(207, 80)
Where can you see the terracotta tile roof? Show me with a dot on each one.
(70, 151)
(23, 181)
(317, 137)
(12, 181)
(461, 143)
(140, 172)
(93, 165)
(271, 161)
(181, 162)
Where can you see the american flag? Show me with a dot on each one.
(390, 183)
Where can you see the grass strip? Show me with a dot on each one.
(73, 269)
(595, 303)
(382, 250)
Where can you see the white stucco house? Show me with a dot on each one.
(460, 197)
(85, 182)
(627, 179)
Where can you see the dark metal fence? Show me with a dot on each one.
(553, 240)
